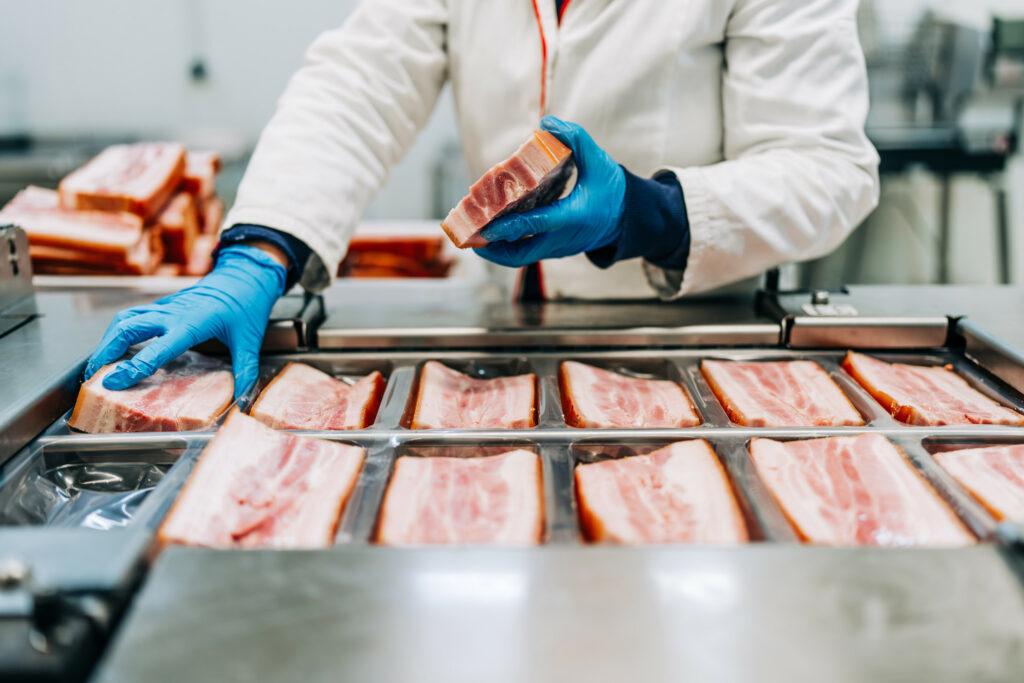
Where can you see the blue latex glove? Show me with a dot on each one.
(589, 218)
(231, 304)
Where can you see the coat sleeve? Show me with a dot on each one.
(798, 174)
(347, 116)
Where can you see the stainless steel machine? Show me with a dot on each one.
(78, 513)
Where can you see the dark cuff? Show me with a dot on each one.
(654, 224)
(295, 249)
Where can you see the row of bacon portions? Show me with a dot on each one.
(134, 209)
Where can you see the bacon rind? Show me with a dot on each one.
(683, 413)
(372, 384)
(438, 373)
(949, 409)
(221, 515)
(404, 520)
(598, 513)
(100, 411)
(536, 174)
(719, 373)
(915, 515)
(93, 187)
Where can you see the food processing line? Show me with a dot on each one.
(82, 595)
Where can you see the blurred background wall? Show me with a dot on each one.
(76, 74)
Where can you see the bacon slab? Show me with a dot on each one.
(926, 395)
(142, 259)
(187, 394)
(178, 224)
(257, 488)
(854, 491)
(495, 499)
(38, 211)
(993, 475)
(595, 398)
(211, 215)
(200, 261)
(535, 175)
(137, 178)
(677, 494)
(779, 394)
(450, 400)
(201, 169)
(302, 397)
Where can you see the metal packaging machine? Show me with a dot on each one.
(78, 584)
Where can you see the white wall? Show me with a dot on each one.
(121, 67)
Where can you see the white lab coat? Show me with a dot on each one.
(757, 106)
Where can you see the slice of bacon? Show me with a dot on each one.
(178, 224)
(994, 476)
(137, 178)
(596, 398)
(187, 394)
(779, 394)
(201, 169)
(257, 488)
(854, 491)
(447, 399)
(302, 397)
(926, 395)
(536, 174)
(38, 211)
(494, 499)
(677, 494)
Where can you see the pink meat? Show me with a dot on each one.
(535, 175)
(178, 224)
(596, 398)
(677, 494)
(779, 394)
(494, 500)
(38, 211)
(137, 178)
(257, 488)
(302, 397)
(201, 170)
(855, 490)
(188, 393)
(993, 475)
(450, 400)
(926, 395)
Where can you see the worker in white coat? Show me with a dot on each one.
(714, 139)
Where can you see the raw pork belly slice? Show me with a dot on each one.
(596, 398)
(257, 488)
(922, 395)
(495, 499)
(38, 211)
(201, 170)
(188, 393)
(855, 490)
(200, 261)
(302, 397)
(993, 475)
(178, 224)
(677, 494)
(211, 215)
(137, 178)
(450, 400)
(536, 174)
(779, 394)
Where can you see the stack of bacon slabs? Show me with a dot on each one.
(447, 399)
(302, 397)
(855, 491)
(187, 394)
(994, 475)
(133, 210)
(797, 393)
(926, 395)
(676, 494)
(596, 398)
(488, 499)
(254, 487)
